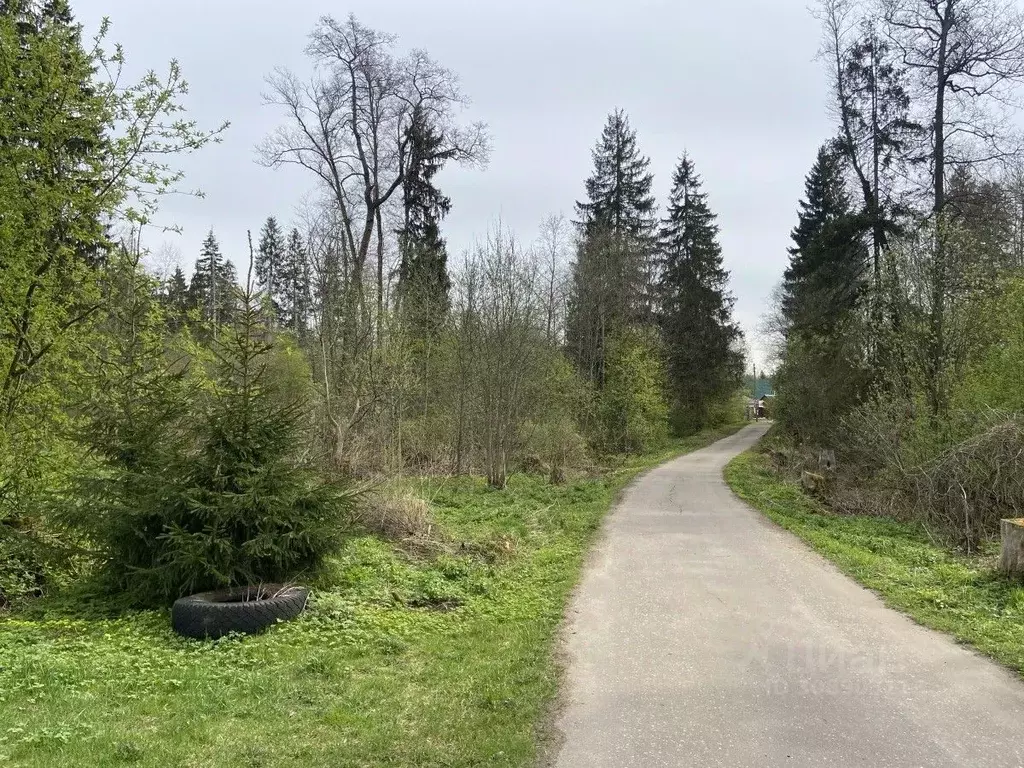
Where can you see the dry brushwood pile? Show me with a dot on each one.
(959, 494)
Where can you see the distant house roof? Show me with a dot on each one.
(763, 388)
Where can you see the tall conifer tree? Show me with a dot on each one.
(423, 282)
(611, 277)
(213, 285)
(704, 366)
(295, 289)
(825, 277)
(176, 299)
(270, 262)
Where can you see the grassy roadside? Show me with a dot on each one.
(964, 596)
(402, 660)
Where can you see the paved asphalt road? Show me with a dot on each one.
(702, 635)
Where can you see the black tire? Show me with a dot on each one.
(248, 610)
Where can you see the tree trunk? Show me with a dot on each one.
(938, 330)
(340, 433)
(380, 278)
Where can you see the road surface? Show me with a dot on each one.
(703, 635)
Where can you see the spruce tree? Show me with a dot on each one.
(295, 292)
(610, 284)
(270, 262)
(619, 199)
(214, 285)
(176, 299)
(242, 509)
(423, 281)
(214, 492)
(825, 277)
(700, 337)
(136, 397)
(877, 132)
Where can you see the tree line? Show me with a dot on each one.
(169, 435)
(897, 308)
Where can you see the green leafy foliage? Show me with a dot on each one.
(633, 406)
(995, 377)
(820, 381)
(53, 124)
(82, 146)
(565, 401)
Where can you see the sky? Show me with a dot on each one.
(735, 84)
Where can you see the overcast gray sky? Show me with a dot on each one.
(734, 83)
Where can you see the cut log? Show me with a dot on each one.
(1012, 559)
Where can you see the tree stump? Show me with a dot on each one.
(812, 482)
(827, 460)
(1012, 559)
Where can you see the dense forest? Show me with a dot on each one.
(898, 323)
(214, 426)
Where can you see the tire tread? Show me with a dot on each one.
(207, 616)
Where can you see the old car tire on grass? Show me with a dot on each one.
(242, 609)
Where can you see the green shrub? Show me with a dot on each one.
(729, 410)
(633, 407)
(557, 444)
(21, 568)
(994, 378)
(821, 379)
(561, 402)
(34, 554)
(211, 494)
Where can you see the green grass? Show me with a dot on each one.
(363, 678)
(964, 596)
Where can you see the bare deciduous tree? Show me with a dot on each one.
(501, 319)
(554, 246)
(968, 55)
(349, 124)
